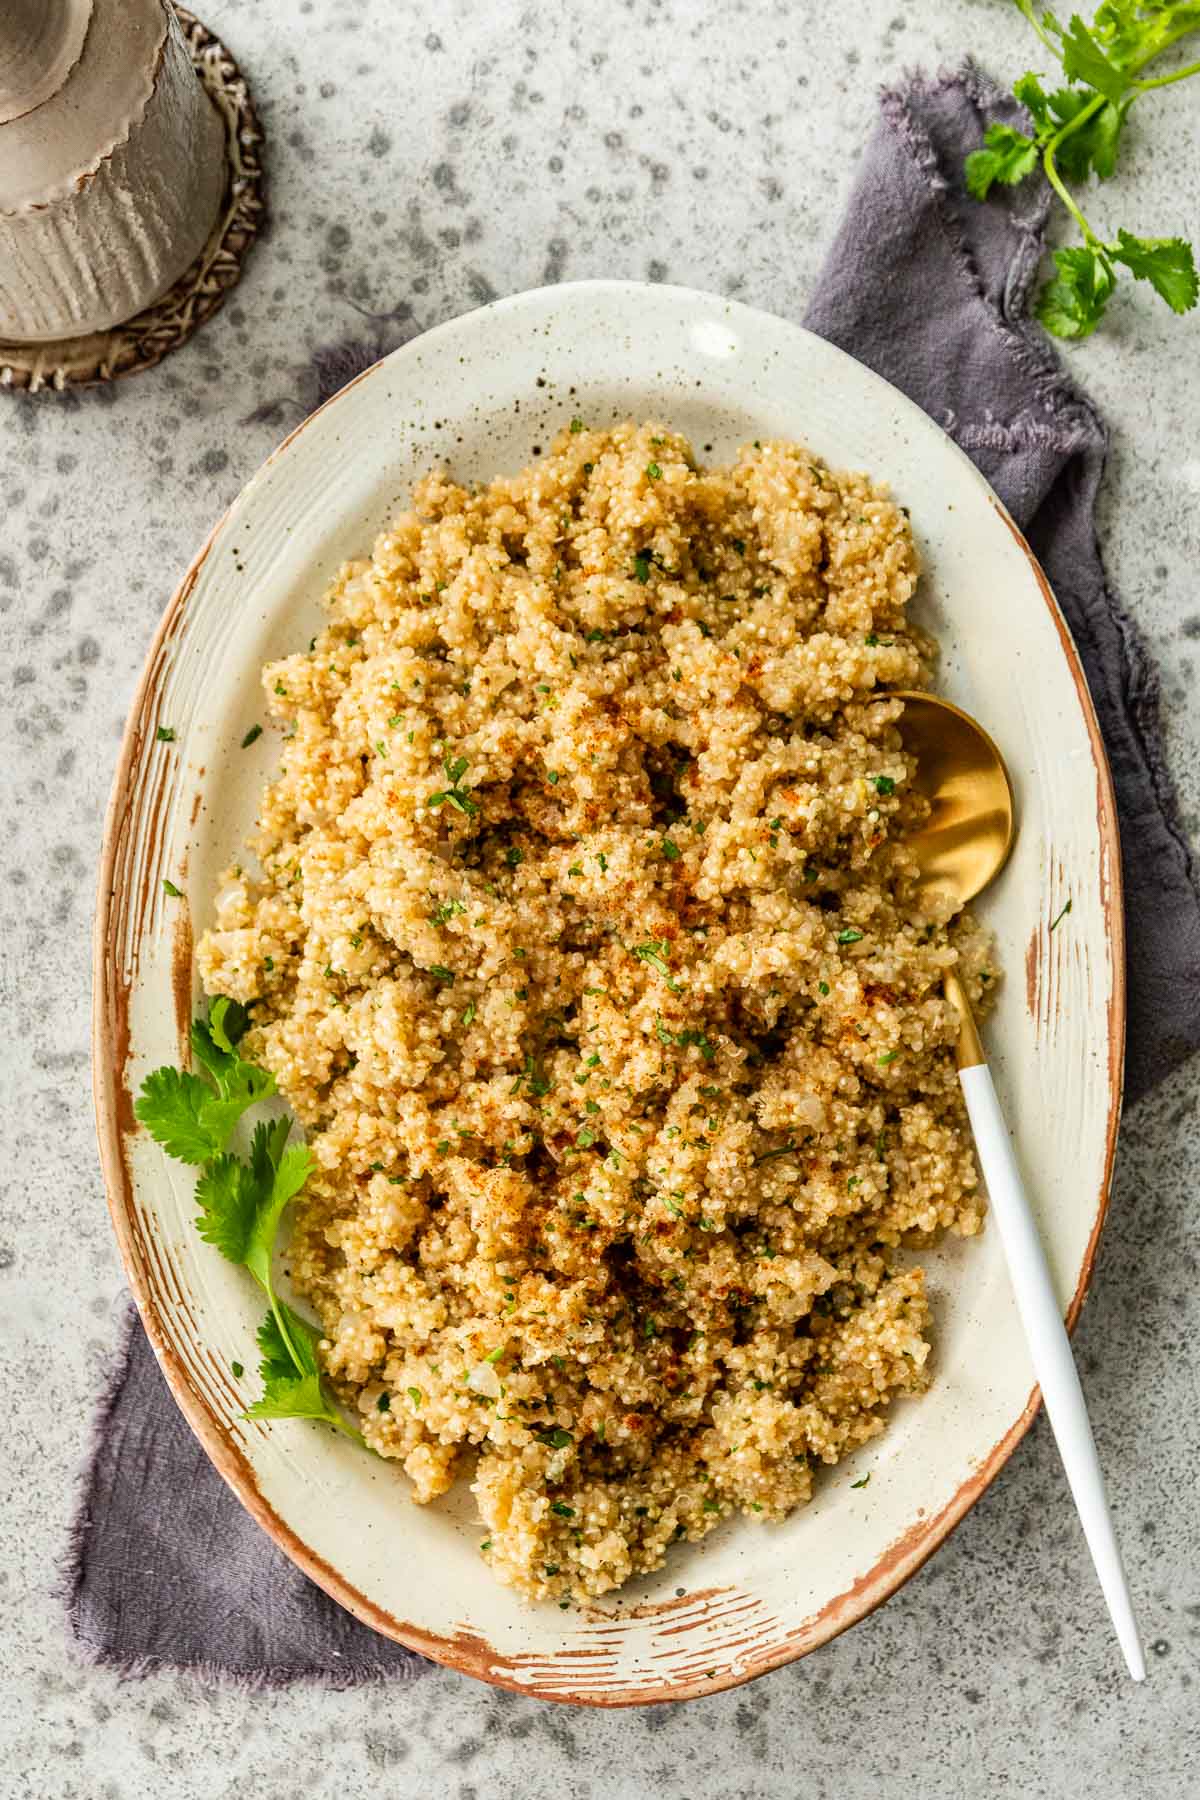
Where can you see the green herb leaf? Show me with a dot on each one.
(170, 888)
(1072, 305)
(1084, 60)
(165, 734)
(655, 953)
(556, 1439)
(1008, 156)
(1029, 91)
(254, 733)
(296, 1397)
(849, 936)
(1166, 263)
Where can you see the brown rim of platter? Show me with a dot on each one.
(140, 342)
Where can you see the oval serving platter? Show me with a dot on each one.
(483, 393)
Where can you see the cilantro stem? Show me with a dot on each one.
(1026, 7)
(1158, 81)
(284, 1333)
(1051, 167)
(336, 1419)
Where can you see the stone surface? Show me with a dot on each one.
(425, 158)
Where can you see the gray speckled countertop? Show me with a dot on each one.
(424, 158)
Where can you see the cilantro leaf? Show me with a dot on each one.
(292, 1385)
(1072, 305)
(1083, 59)
(241, 1203)
(227, 1198)
(1166, 263)
(1008, 157)
(297, 1354)
(1093, 144)
(293, 1171)
(292, 1397)
(1028, 90)
(240, 1085)
(176, 1109)
(228, 1022)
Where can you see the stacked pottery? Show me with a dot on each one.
(112, 163)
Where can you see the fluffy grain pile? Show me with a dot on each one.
(583, 948)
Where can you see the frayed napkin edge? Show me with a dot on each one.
(68, 1582)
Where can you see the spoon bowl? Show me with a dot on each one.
(967, 838)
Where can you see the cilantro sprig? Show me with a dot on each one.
(242, 1199)
(1076, 132)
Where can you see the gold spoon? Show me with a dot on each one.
(962, 846)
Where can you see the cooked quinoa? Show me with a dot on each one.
(585, 949)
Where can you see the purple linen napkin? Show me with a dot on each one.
(166, 1569)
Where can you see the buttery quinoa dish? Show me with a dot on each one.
(583, 942)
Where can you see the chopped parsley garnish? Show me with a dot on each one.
(670, 849)
(576, 426)
(563, 1511)
(641, 566)
(653, 472)
(770, 1155)
(165, 734)
(440, 972)
(884, 785)
(1057, 921)
(862, 1483)
(170, 888)
(849, 936)
(469, 1013)
(384, 1403)
(252, 736)
(453, 794)
(555, 1439)
(655, 953)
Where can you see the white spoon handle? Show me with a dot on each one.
(1051, 1351)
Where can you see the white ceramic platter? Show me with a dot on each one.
(483, 393)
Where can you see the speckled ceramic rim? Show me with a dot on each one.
(466, 1651)
(141, 342)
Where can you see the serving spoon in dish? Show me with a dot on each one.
(959, 849)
